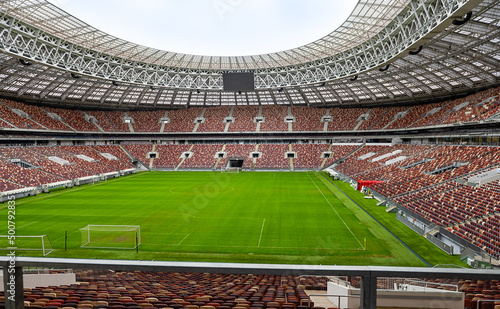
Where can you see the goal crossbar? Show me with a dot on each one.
(108, 236)
(20, 242)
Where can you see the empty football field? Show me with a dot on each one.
(264, 217)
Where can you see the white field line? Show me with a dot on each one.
(261, 230)
(183, 240)
(361, 245)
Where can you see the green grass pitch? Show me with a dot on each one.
(260, 217)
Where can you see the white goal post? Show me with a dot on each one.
(40, 243)
(111, 236)
(230, 170)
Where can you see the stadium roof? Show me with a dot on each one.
(387, 51)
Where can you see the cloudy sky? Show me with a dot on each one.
(213, 27)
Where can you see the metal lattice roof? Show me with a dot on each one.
(367, 19)
(455, 58)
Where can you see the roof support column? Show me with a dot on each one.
(13, 284)
(368, 292)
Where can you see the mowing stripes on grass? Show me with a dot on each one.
(340, 217)
(262, 217)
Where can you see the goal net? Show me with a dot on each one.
(230, 170)
(40, 243)
(111, 236)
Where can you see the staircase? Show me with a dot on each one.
(183, 159)
(257, 129)
(130, 126)
(162, 129)
(151, 160)
(226, 128)
(325, 124)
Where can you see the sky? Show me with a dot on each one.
(213, 27)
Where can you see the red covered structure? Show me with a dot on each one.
(367, 183)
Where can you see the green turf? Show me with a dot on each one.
(208, 216)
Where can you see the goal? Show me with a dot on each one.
(230, 170)
(111, 236)
(39, 243)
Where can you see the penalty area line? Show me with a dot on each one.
(360, 244)
(183, 240)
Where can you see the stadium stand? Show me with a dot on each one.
(74, 118)
(6, 185)
(345, 119)
(137, 290)
(243, 118)
(214, 119)
(416, 113)
(182, 120)
(11, 119)
(169, 156)
(308, 155)
(273, 156)
(103, 120)
(480, 106)
(146, 121)
(28, 177)
(116, 151)
(140, 152)
(307, 119)
(375, 115)
(116, 118)
(203, 157)
(388, 117)
(141, 289)
(274, 118)
(237, 151)
(39, 115)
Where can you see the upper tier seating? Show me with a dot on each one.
(116, 118)
(147, 121)
(214, 119)
(481, 106)
(182, 120)
(103, 120)
(388, 117)
(375, 114)
(308, 119)
(39, 115)
(415, 114)
(345, 119)
(74, 118)
(274, 118)
(243, 118)
(12, 119)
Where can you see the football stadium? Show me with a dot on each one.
(360, 170)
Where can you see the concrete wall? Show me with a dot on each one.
(412, 297)
(42, 280)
